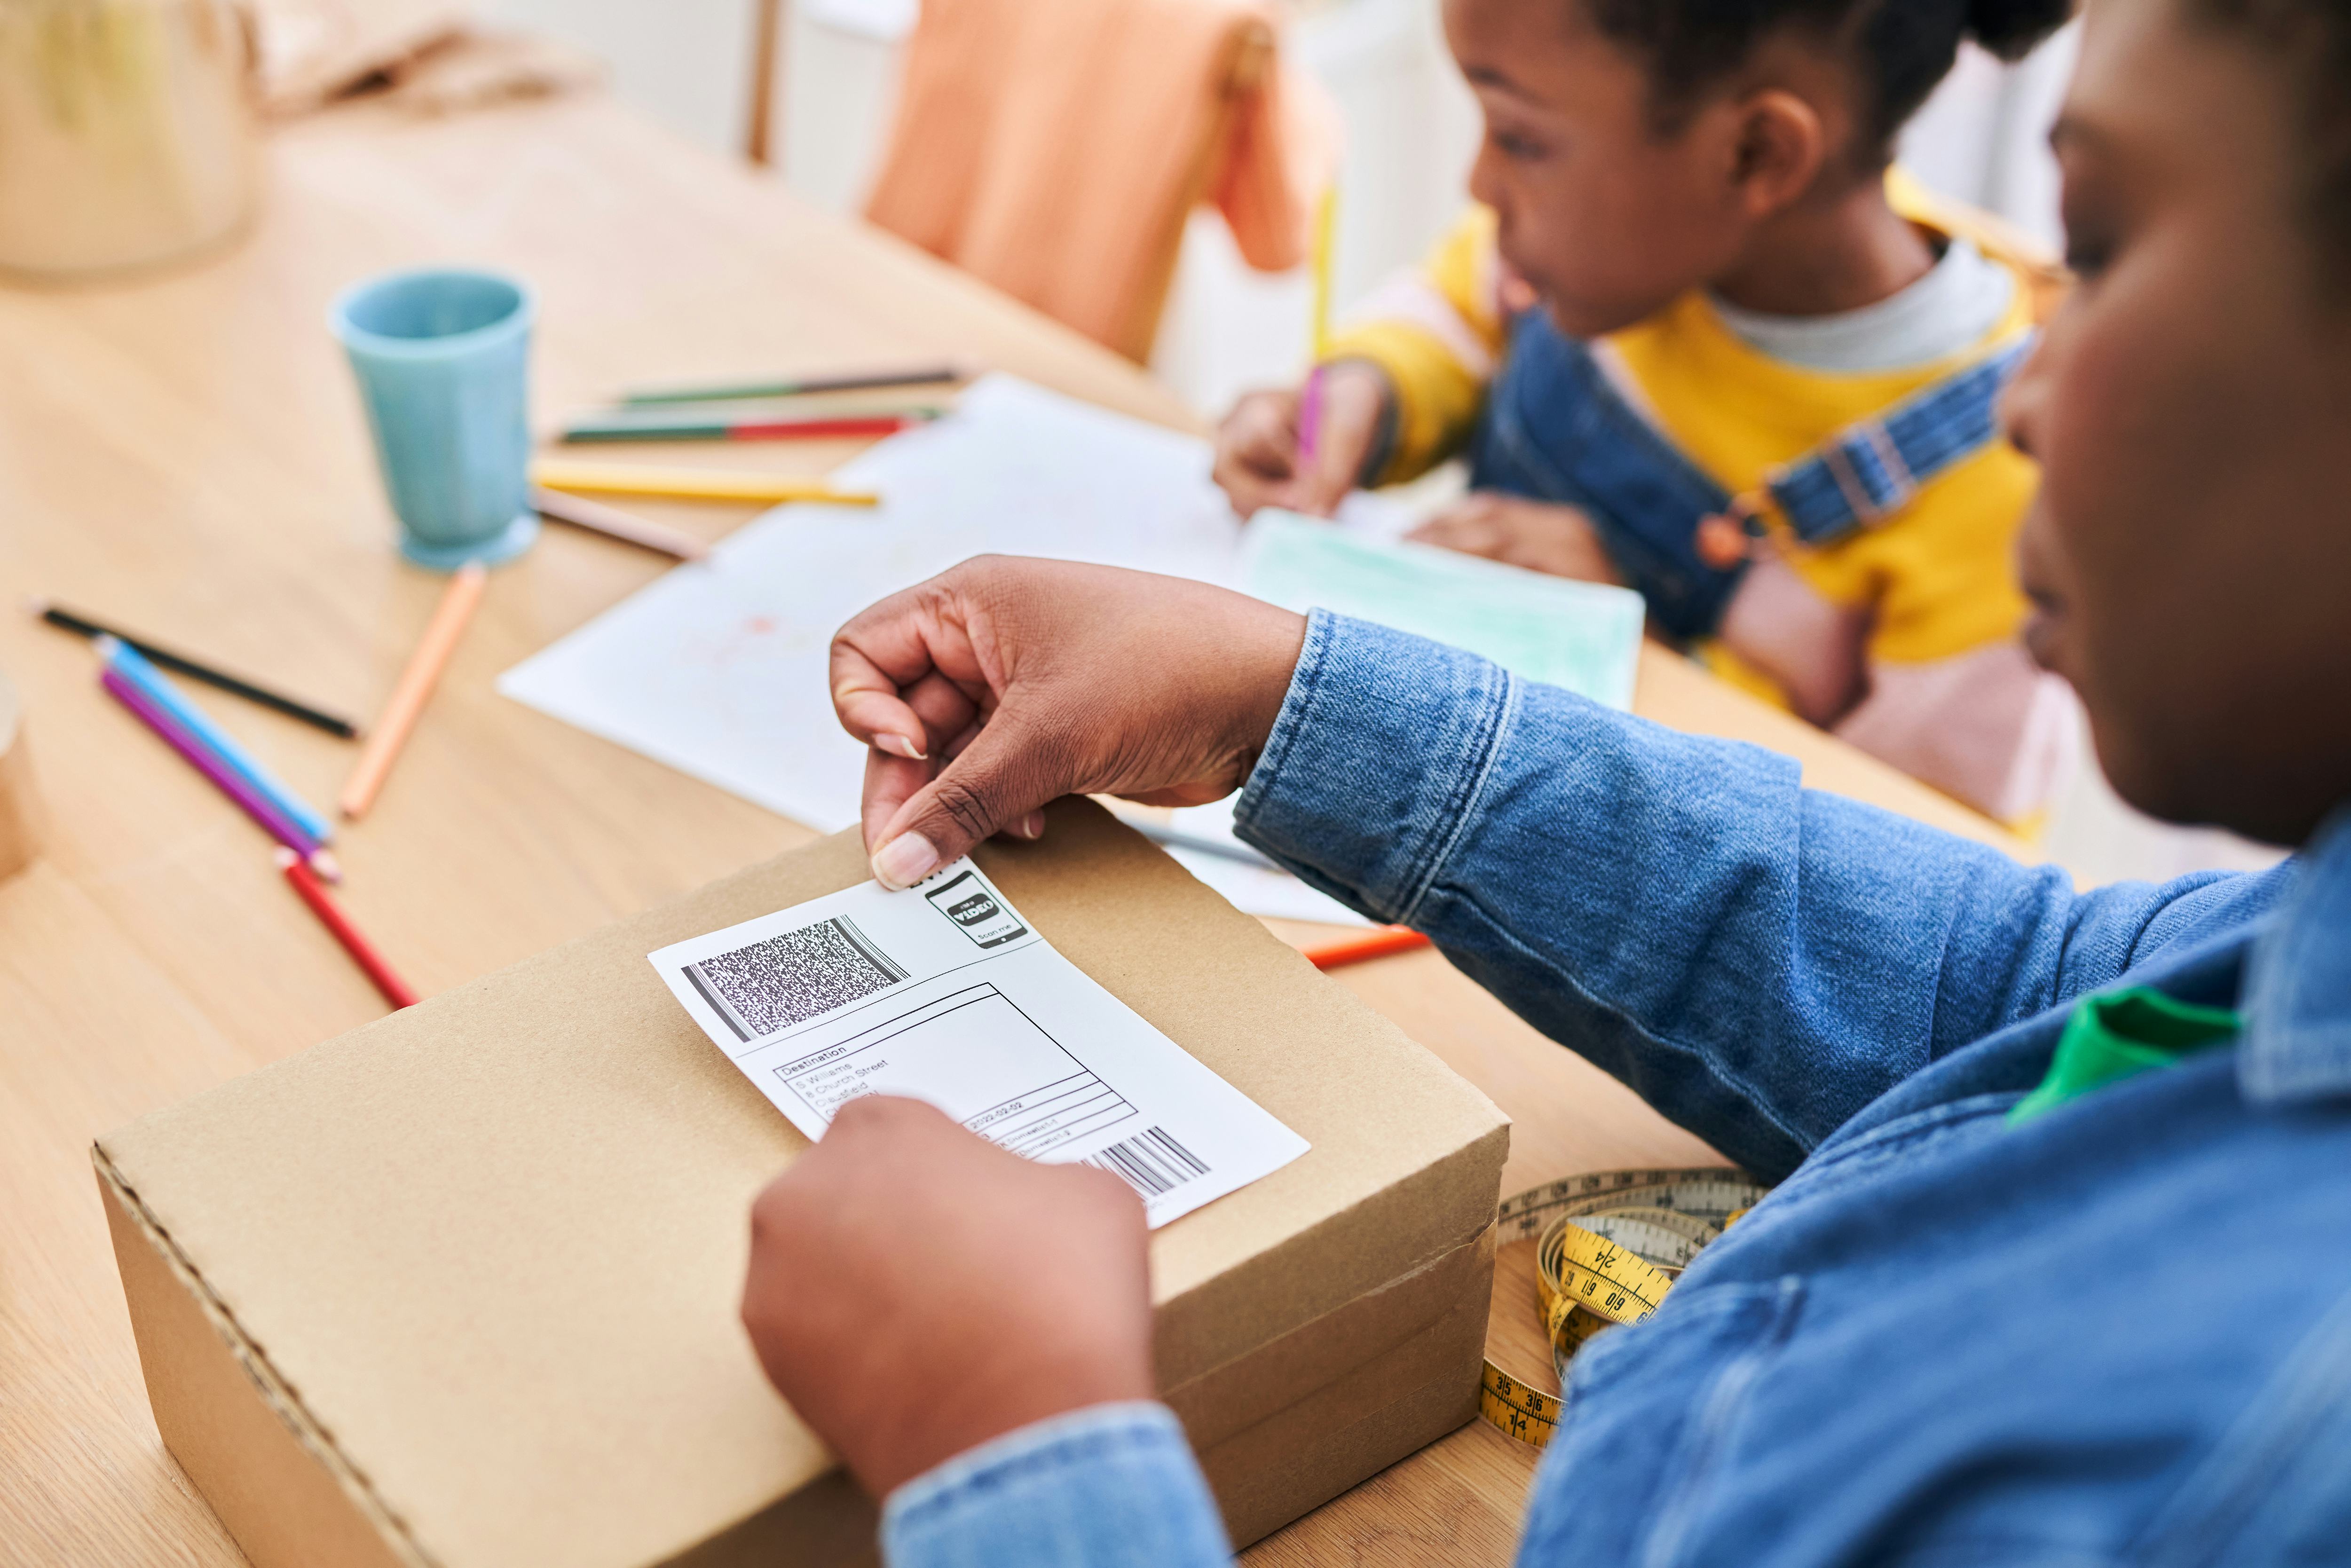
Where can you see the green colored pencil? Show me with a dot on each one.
(943, 372)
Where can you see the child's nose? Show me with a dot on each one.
(1485, 176)
(2022, 400)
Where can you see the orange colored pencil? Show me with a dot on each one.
(339, 925)
(399, 716)
(1376, 944)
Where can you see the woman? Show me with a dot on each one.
(2057, 1271)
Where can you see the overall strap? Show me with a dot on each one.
(1871, 470)
(1554, 429)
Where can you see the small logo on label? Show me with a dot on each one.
(966, 901)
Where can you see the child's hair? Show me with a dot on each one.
(2311, 40)
(1899, 48)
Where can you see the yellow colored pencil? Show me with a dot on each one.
(390, 731)
(688, 483)
(1326, 244)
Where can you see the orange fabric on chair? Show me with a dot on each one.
(1054, 148)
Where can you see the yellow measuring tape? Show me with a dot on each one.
(1607, 1249)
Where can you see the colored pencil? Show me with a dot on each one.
(633, 427)
(330, 914)
(689, 484)
(842, 381)
(1326, 225)
(616, 523)
(279, 826)
(1376, 944)
(195, 669)
(849, 405)
(1310, 417)
(415, 685)
(126, 662)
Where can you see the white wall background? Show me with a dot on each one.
(684, 62)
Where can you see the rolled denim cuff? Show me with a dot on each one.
(1110, 1486)
(1375, 764)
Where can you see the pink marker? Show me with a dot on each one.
(1310, 416)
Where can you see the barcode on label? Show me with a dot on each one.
(1152, 1162)
(792, 976)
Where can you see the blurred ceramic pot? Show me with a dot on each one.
(129, 137)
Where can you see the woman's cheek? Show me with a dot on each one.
(2106, 444)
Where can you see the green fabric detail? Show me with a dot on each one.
(2115, 1034)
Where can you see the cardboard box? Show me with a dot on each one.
(459, 1288)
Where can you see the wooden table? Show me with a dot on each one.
(187, 454)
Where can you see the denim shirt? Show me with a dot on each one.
(2119, 1333)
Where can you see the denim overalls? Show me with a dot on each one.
(1555, 430)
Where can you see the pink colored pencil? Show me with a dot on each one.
(279, 826)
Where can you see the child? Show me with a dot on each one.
(1696, 273)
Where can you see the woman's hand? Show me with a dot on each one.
(1258, 459)
(915, 1290)
(1538, 535)
(1003, 684)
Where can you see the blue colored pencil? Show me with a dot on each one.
(125, 661)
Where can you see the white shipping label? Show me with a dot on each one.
(944, 993)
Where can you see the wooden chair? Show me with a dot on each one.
(1245, 55)
(761, 145)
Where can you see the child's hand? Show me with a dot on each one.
(1538, 535)
(1258, 462)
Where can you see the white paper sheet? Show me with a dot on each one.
(1272, 893)
(1252, 884)
(718, 668)
(944, 993)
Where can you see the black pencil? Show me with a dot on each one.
(333, 724)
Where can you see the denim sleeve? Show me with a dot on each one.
(1756, 959)
(1112, 1486)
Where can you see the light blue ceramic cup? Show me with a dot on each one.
(443, 359)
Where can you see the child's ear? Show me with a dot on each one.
(1779, 146)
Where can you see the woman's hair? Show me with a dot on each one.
(1898, 48)
(2310, 40)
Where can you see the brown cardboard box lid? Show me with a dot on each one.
(489, 1248)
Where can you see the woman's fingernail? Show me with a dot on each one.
(1032, 826)
(905, 860)
(899, 745)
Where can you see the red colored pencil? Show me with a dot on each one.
(812, 429)
(666, 426)
(322, 904)
(1376, 944)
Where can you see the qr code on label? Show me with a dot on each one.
(791, 977)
